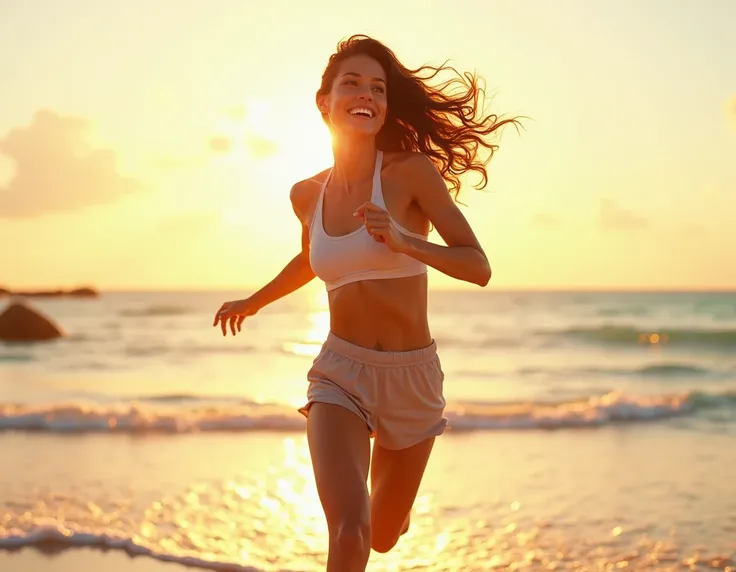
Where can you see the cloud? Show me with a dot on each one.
(57, 170)
(613, 217)
(546, 220)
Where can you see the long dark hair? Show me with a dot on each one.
(444, 121)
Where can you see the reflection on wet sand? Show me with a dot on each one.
(253, 504)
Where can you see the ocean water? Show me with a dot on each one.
(588, 431)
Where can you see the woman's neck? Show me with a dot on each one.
(355, 160)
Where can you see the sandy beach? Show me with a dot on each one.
(29, 560)
(565, 501)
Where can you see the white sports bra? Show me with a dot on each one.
(340, 260)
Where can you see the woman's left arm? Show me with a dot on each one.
(463, 257)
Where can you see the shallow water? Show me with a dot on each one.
(587, 431)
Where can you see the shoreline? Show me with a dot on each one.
(57, 558)
(570, 496)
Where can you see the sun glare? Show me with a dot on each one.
(258, 116)
(263, 147)
(314, 337)
(302, 139)
(311, 338)
(320, 300)
(275, 143)
(320, 322)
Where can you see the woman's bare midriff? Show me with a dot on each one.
(388, 315)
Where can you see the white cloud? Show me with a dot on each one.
(54, 168)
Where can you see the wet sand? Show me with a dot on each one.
(647, 498)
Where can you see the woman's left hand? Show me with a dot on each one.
(379, 225)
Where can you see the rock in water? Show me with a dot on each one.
(21, 323)
(83, 293)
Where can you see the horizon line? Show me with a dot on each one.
(488, 289)
(507, 289)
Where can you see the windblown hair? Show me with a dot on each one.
(446, 122)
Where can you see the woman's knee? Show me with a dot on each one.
(383, 541)
(352, 533)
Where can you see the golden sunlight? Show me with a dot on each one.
(272, 515)
(297, 459)
(319, 327)
(267, 148)
(290, 131)
(302, 137)
(318, 317)
(320, 322)
(320, 300)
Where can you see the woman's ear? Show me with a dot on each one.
(322, 103)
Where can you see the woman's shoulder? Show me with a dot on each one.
(304, 193)
(406, 160)
(402, 165)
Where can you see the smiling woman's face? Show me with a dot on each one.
(356, 104)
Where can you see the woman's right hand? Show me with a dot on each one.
(234, 312)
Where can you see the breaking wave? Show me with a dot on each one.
(189, 413)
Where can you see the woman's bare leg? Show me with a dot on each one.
(395, 480)
(339, 444)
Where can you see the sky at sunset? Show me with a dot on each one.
(153, 145)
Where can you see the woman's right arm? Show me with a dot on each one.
(298, 272)
(295, 274)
